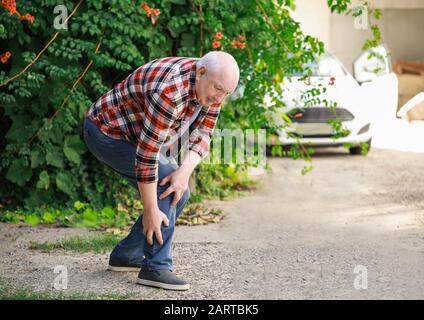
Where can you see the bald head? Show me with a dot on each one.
(217, 75)
(220, 63)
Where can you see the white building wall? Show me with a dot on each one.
(314, 17)
(401, 24)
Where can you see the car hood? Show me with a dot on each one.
(317, 91)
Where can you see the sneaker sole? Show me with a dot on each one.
(166, 286)
(123, 269)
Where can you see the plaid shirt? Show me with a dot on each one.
(148, 108)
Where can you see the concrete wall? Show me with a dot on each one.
(398, 4)
(402, 32)
(314, 18)
(401, 24)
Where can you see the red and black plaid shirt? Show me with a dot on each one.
(149, 106)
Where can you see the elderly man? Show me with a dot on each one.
(129, 128)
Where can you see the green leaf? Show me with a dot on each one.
(187, 40)
(56, 134)
(286, 118)
(37, 158)
(44, 180)
(73, 148)
(79, 205)
(71, 154)
(48, 217)
(10, 217)
(108, 212)
(19, 131)
(55, 159)
(90, 215)
(182, 2)
(19, 173)
(64, 183)
(32, 219)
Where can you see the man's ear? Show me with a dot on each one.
(202, 70)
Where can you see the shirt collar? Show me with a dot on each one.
(192, 85)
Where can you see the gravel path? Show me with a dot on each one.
(298, 237)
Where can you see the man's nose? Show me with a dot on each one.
(218, 98)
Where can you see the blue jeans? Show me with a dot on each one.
(120, 156)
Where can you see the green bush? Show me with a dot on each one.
(45, 162)
(79, 215)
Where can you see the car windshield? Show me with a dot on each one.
(325, 66)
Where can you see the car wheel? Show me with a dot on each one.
(358, 150)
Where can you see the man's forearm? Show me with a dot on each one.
(148, 193)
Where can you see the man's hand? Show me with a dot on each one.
(179, 184)
(152, 221)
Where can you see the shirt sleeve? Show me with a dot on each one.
(200, 138)
(159, 116)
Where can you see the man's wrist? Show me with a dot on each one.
(187, 168)
(150, 208)
(190, 162)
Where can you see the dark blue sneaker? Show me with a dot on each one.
(164, 279)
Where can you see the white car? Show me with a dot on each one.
(356, 103)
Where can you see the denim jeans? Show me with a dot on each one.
(120, 156)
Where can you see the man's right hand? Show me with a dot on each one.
(152, 221)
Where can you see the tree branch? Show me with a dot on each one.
(82, 74)
(41, 52)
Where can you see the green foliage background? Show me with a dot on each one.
(44, 161)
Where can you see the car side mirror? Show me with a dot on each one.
(372, 64)
(413, 109)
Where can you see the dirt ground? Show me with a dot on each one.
(298, 237)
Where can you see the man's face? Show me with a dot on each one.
(212, 88)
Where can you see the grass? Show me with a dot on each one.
(97, 243)
(7, 293)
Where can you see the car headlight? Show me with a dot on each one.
(364, 129)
